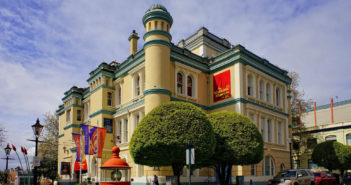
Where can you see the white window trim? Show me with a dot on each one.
(253, 89)
(186, 71)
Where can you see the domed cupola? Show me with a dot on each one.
(157, 18)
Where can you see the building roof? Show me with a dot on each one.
(203, 36)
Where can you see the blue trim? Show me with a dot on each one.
(130, 63)
(102, 86)
(158, 32)
(157, 91)
(327, 106)
(102, 111)
(61, 135)
(71, 125)
(156, 14)
(133, 36)
(230, 102)
(72, 105)
(130, 106)
(157, 42)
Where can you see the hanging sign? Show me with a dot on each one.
(221, 86)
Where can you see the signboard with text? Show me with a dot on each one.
(221, 86)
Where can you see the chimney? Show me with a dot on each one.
(133, 42)
(332, 111)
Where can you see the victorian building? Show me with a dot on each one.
(203, 69)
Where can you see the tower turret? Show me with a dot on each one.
(157, 22)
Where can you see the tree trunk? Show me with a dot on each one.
(177, 169)
(223, 171)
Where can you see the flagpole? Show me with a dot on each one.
(97, 152)
(81, 160)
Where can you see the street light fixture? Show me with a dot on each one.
(37, 128)
(7, 151)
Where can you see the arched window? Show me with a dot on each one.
(190, 86)
(330, 138)
(162, 26)
(261, 90)
(277, 96)
(137, 86)
(268, 168)
(180, 83)
(249, 85)
(268, 92)
(348, 139)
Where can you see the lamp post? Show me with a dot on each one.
(37, 128)
(7, 151)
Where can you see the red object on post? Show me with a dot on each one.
(115, 171)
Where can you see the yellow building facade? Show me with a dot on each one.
(121, 94)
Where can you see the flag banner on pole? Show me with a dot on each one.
(221, 86)
(101, 140)
(76, 138)
(93, 140)
(85, 129)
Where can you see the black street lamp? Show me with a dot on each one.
(7, 151)
(37, 128)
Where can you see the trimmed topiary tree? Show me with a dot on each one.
(333, 156)
(238, 143)
(162, 135)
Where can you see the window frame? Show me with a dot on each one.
(109, 98)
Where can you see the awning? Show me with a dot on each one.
(77, 166)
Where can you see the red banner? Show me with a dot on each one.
(93, 140)
(76, 138)
(101, 140)
(221, 86)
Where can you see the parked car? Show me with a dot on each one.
(324, 178)
(293, 177)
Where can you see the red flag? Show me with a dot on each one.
(22, 149)
(13, 147)
(101, 140)
(25, 150)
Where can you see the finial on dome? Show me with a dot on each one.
(115, 152)
(157, 6)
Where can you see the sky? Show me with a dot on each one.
(48, 46)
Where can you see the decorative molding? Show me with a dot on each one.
(158, 32)
(133, 36)
(230, 102)
(157, 42)
(71, 125)
(157, 91)
(61, 135)
(155, 14)
(101, 86)
(101, 111)
(129, 107)
(60, 112)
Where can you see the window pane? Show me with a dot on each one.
(267, 165)
(179, 83)
(330, 138)
(348, 139)
(190, 86)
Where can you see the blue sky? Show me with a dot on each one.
(48, 46)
